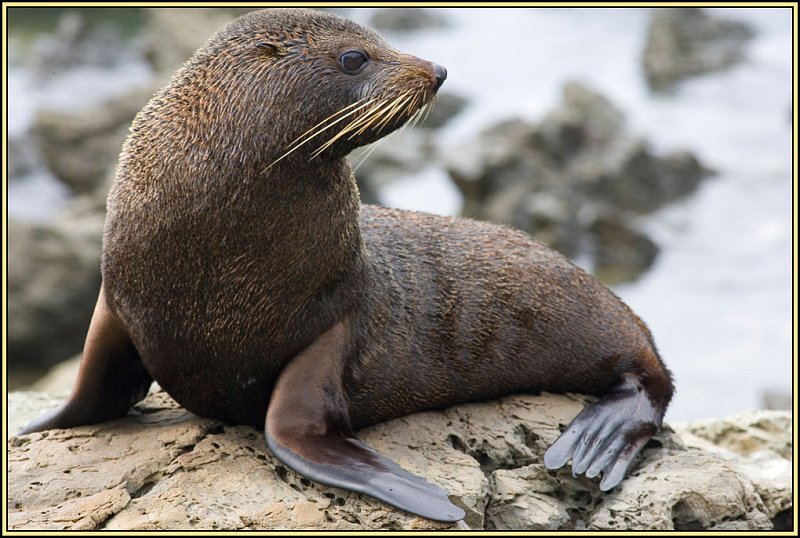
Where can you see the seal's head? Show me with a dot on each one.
(299, 85)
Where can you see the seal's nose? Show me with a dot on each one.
(440, 73)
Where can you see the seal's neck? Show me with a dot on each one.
(313, 212)
(315, 248)
(315, 206)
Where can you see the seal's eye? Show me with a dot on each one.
(352, 61)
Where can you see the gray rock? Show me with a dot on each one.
(576, 181)
(53, 282)
(621, 252)
(401, 153)
(635, 180)
(683, 42)
(584, 119)
(163, 468)
(81, 148)
(406, 19)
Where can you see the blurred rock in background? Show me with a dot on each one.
(81, 148)
(777, 400)
(77, 41)
(409, 19)
(171, 35)
(684, 42)
(576, 180)
(53, 282)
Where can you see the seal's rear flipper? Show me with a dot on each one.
(111, 377)
(307, 428)
(608, 434)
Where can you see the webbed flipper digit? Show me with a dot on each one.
(607, 435)
(307, 428)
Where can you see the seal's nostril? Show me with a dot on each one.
(440, 73)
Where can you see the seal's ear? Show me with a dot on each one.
(270, 48)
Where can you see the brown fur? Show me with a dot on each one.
(223, 264)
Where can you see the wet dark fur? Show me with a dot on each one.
(223, 267)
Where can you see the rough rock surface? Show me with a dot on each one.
(760, 443)
(576, 180)
(164, 468)
(682, 42)
(24, 406)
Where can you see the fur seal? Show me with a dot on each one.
(241, 273)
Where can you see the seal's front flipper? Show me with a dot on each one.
(111, 377)
(608, 434)
(308, 429)
(350, 464)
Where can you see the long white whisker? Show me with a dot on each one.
(398, 106)
(376, 116)
(331, 116)
(367, 153)
(430, 106)
(365, 119)
(325, 128)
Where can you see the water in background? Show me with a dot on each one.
(718, 299)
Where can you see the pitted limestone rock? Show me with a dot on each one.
(164, 468)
